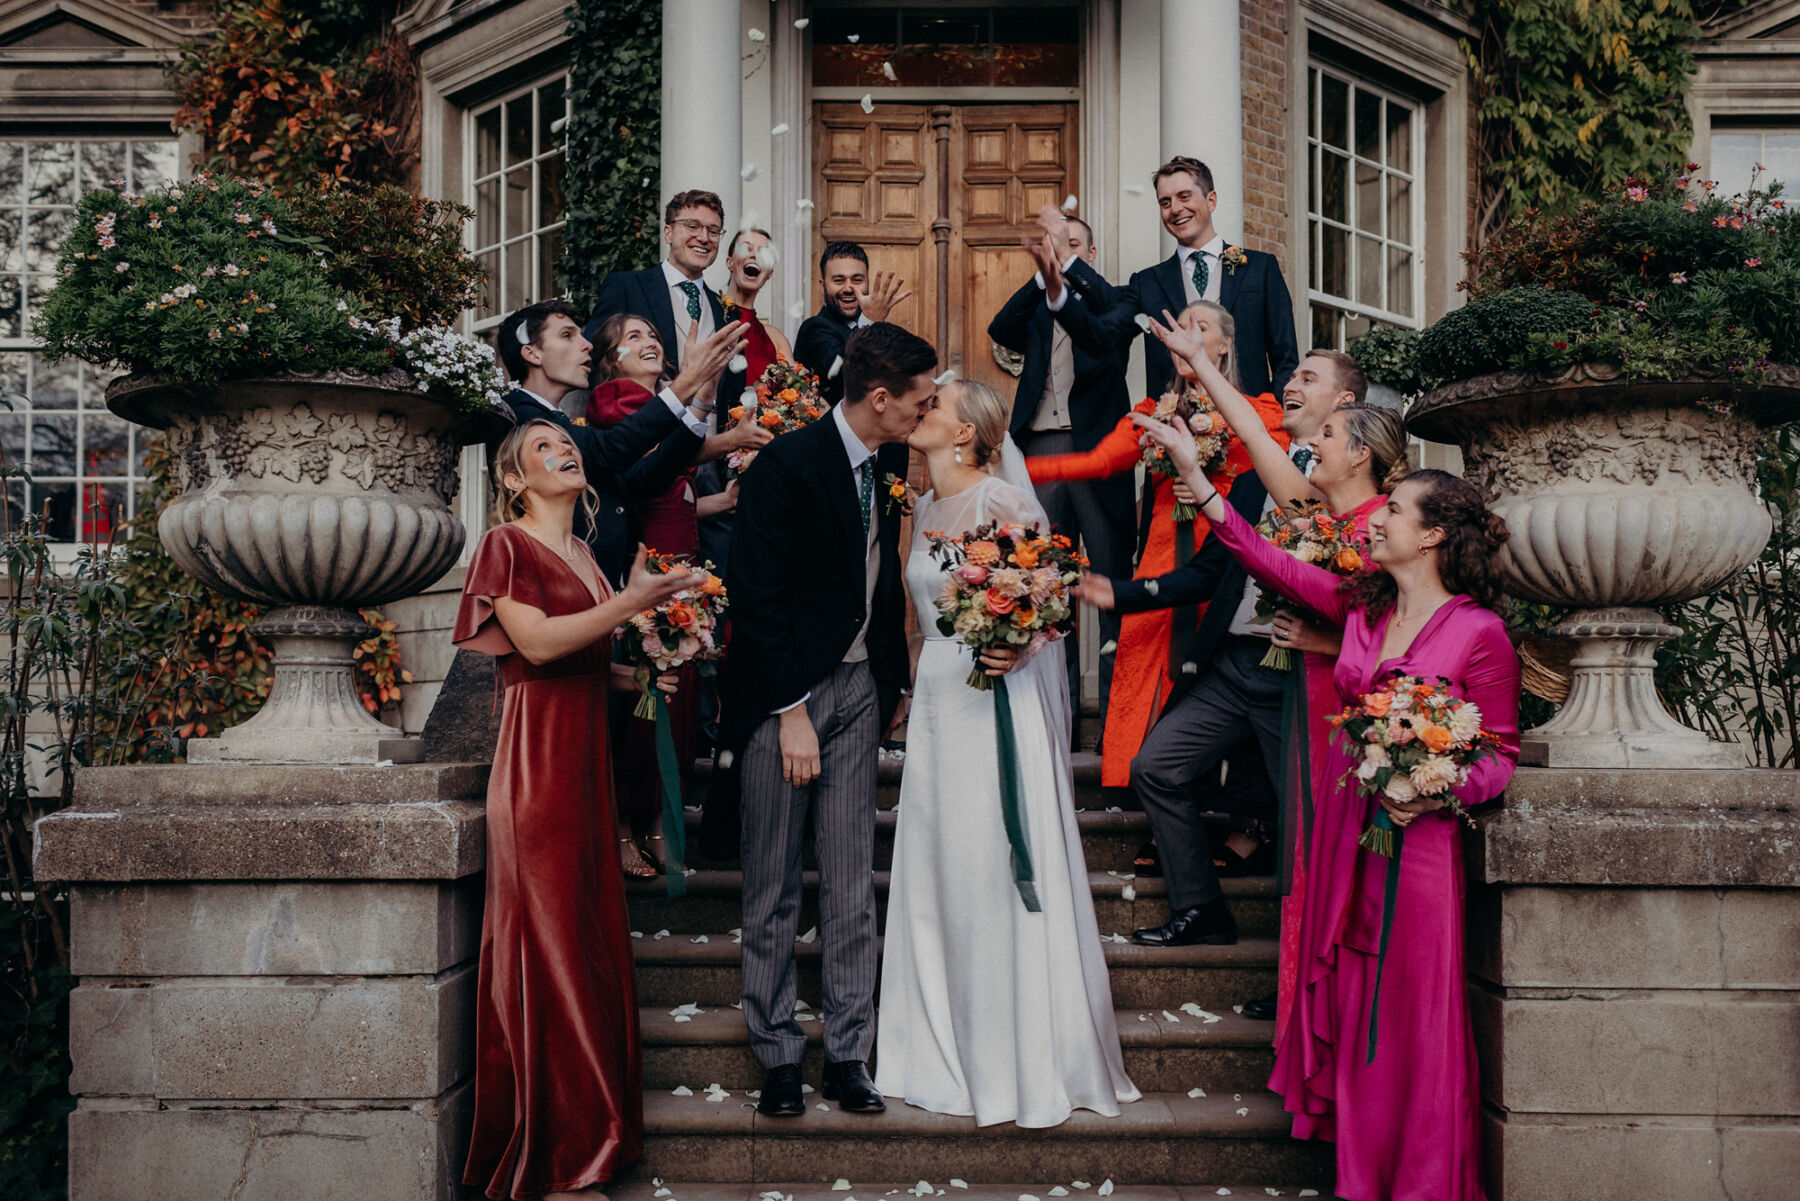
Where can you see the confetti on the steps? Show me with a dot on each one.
(1309, 1192)
(700, 938)
(1070, 204)
(921, 1189)
(1059, 1191)
(716, 1092)
(737, 1004)
(737, 933)
(1224, 1192)
(1115, 808)
(1128, 893)
(806, 1088)
(637, 934)
(840, 1185)
(1242, 1112)
(1143, 1017)
(1273, 1192)
(688, 1012)
(1196, 1093)
(1237, 1009)
(824, 1108)
(1169, 1017)
(811, 934)
(1027, 1197)
(681, 1090)
(958, 1183)
(1237, 1096)
(663, 1192)
(1082, 1184)
(1190, 1007)
(1106, 1187)
(660, 934)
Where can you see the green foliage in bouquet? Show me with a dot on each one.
(615, 142)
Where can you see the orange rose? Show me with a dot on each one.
(1348, 560)
(998, 603)
(1025, 554)
(737, 412)
(1437, 739)
(788, 395)
(897, 489)
(771, 420)
(1377, 703)
(680, 615)
(714, 586)
(983, 554)
(1024, 618)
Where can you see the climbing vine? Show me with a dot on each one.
(614, 141)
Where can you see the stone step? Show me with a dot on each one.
(714, 901)
(1173, 1053)
(1086, 764)
(1165, 1138)
(648, 1190)
(677, 970)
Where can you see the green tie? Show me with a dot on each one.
(1199, 261)
(865, 473)
(1302, 456)
(692, 291)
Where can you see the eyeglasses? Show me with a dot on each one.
(695, 227)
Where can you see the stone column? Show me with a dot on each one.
(702, 105)
(276, 979)
(1634, 971)
(1202, 104)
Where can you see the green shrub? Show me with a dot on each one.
(1389, 355)
(401, 254)
(1490, 333)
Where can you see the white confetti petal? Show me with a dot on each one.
(780, 129)
(840, 1185)
(1079, 1184)
(1128, 893)
(806, 1088)
(1273, 1192)
(797, 309)
(1136, 189)
(1242, 1112)
(1190, 1007)
(766, 258)
(681, 1090)
(854, 38)
(656, 1181)
(1237, 1009)
(738, 363)
(700, 938)
(558, 125)
(1143, 321)
(1196, 1092)
(682, 1017)
(622, 351)
(803, 22)
(725, 758)
(805, 1017)
(803, 203)
(1070, 204)
(924, 1186)
(737, 1004)
(824, 1108)
(837, 365)
(757, 35)
(1106, 1187)
(811, 934)
(1237, 1096)
(887, 69)
(637, 934)
(1109, 646)
(660, 934)
(1059, 1191)
(1170, 1017)
(663, 1192)
(1224, 1192)
(737, 933)
(957, 1183)
(948, 377)
(749, 171)
(1143, 1017)
(1027, 1197)
(868, 102)
(1309, 1192)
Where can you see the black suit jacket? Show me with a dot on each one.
(1256, 297)
(797, 582)
(617, 468)
(1213, 574)
(820, 342)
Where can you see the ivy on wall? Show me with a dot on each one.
(614, 147)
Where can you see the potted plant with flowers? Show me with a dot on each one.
(297, 353)
(1610, 385)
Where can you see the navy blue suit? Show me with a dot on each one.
(819, 343)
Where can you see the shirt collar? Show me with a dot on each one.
(1214, 248)
(675, 278)
(853, 446)
(541, 400)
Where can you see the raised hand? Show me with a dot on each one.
(747, 435)
(647, 590)
(1095, 590)
(703, 361)
(1055, 224)
(886, 290)
(1174, 437)
(1049, 263)
(1182, 343)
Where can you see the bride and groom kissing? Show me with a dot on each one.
(987, 1010)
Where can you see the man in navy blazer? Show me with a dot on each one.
(1071, 393)
(853, 300)
(1247, 282)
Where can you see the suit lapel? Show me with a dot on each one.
(839, 483)
(661, 312)
(1168, 277)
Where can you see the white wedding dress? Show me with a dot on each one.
(987, 1009)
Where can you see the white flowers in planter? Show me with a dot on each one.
(442, 361)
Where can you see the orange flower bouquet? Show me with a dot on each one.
(1212, 437)
(784, 399)
(1310, 532)
(1005, 585)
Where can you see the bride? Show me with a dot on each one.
(986, 1009)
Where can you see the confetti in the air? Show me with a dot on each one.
(766, 258)
(757, 35)
(1143, 321)
(854, 38)
(797, 309)
(750, 172)
(1070, 203)
(887, 69)
(803, 22)
(1128, 893)
(868, 102)
(780, 129)
(837, 365)
(949, 377)
(813, 932)
(738, 363)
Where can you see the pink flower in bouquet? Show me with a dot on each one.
(973, 574)
(1399, 733)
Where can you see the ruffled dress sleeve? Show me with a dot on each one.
(503, 566)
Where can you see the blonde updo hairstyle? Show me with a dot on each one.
(1227, 326)
(509, 459)
(982, 407)
(1383, 434)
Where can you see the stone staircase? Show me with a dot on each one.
(1206, 1126)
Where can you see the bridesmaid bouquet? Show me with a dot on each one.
(784, 399)
(1006, 585)
(1211, 435)
(1310, 532)
(681, 630)
(1414, 740)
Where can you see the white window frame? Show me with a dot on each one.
(90, 380)
(1316, 221)
(1730, 187)
(540, 289)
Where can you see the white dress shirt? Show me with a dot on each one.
(678, 302)
(667, 396)
(1212, 250)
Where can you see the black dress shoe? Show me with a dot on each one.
(1262, 1009)
(849, 1085)
(1209, 923)
(781, 1096)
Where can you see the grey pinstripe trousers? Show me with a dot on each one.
(844, 711)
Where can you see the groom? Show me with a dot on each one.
(815, 670)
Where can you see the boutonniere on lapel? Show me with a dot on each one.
(729, 306)
(899, 495)
(581, 421)
(1233, 258)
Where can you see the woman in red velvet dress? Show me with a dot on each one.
(629, 359)
(751, 260)
(558, 1079)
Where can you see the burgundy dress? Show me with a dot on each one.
(672, 527)
(558, 1077)
(759, 348)
(1408, 1125)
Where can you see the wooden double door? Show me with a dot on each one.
(942, 194)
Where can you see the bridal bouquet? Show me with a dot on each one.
(681, 630)
(1310, 532)
(784, 399)
(1006, 585)
(1413, 741)
(1212, 437)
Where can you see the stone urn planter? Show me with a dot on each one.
(317, 496)
(1621, 496)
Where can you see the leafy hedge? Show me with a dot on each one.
(615, 139)
(1489, 333)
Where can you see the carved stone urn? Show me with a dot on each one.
(1621, 496)
(317, 496)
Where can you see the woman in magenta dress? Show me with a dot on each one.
(1408, 1124)
(558, 1081)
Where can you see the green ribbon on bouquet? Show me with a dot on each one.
(1012, 800)
(1386, 839)
(1186, 618)
(1296, 774)
(653, 705)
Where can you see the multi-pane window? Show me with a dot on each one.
(1736, 153)
(515, 185)
(1364, 207)
(84, 464)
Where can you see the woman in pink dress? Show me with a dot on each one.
(558, 1082)
(1408, 1122)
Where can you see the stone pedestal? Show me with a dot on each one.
(1634, 963)
(276, 979)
